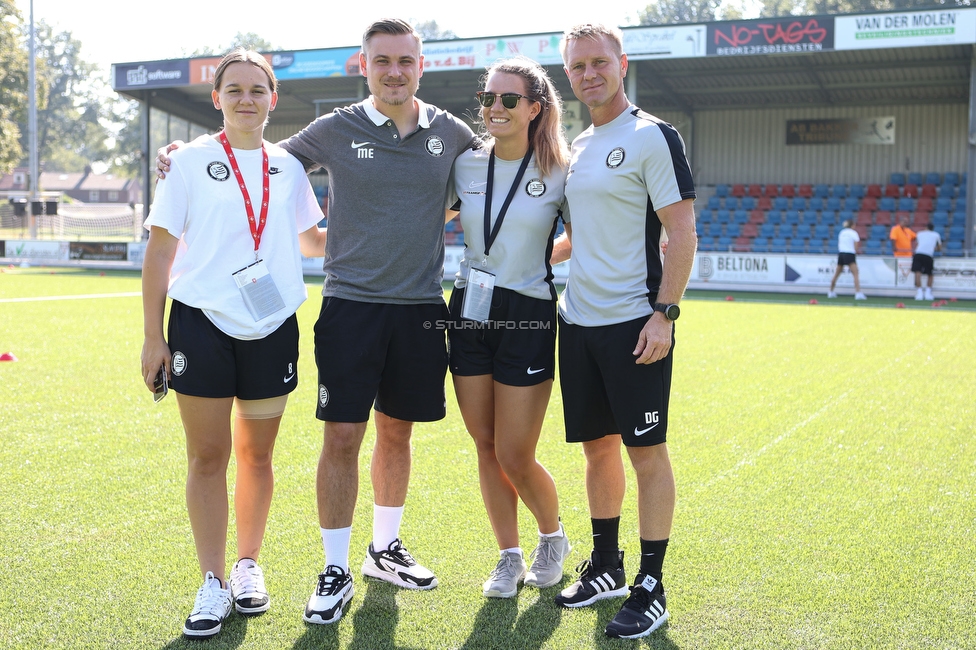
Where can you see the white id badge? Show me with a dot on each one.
(477, 295)
(258, 290)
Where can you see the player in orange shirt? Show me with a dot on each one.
(901, 238)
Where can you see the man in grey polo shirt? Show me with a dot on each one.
(628, 182)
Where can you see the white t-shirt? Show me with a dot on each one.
(519, 256)
(200, 203)
(847, 240)
(926, 242)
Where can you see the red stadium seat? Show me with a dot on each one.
(749, 230)
(771, 190)
(882, 217)
(755, 191)
(930, 191)
(864, 218)
(743, 244)
(738, 190)
(764, 203)
(920, 220)
(892, 190)
(757, 216)
(924, 204)
(874, 191)
(912, 191)
(869, 203)
(788, 191)
(805, 190)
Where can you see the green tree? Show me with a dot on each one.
(249, 41)
(13, 86)
(429, 30)
(126, 154)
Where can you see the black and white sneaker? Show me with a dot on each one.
(642, 613)
(212, 606)
(330, 596)
(396, 566)
(595, 583)
(247, 588)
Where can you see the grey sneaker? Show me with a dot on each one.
(503, 581)
(547, 560)
(247, 587)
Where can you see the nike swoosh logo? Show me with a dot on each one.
(357, 145)
(476, 184)
(531, 371)
(289, 378)
(274, 170)
(640, 432)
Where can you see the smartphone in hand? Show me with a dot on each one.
(160, 385)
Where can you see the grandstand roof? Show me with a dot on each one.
(869, 59)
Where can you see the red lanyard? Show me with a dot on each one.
(257, 229)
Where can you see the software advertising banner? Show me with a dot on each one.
(151, 74)
(771, 36)
(909, 29)
(40, 251)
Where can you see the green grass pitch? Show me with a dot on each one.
(824, 456)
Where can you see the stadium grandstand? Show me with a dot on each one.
(792, 124)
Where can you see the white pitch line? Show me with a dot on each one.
(87, 296)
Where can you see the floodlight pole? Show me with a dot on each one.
(32, 130)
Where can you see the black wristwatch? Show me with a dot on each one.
(671, 312)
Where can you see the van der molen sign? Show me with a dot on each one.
(867, 130)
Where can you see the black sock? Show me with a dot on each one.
(606, 540)
(652, 557)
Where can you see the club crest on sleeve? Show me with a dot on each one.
(616, 158)
(435, 146)
(535, 188)
(218, 171)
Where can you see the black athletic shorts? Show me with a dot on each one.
(517, 346)
(389, 357)
(605, 391)
(923, 264)
(209, 363)
(846, 259)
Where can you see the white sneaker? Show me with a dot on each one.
(331, 594)
(212, 606)
(547, 560)
(395, 565)
(928, 294)
(831, 294)
(247, 587)
(504, 579)
(919, 295)
(860, 296)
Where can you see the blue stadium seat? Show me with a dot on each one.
(731, 202)
(852, 203)
(961, 190)
(822, 190)
(873, 247)
(760, 245)
(845, 215)
(791, 217)
(821, 231)
(957, 232)
(450, 225)
(933, 178)
(778, 245)
(781, 203)
(943, 203)
(828, 217)
(723, 216)
(915, 178)
(706, 243)
(721, 190)
(714, 229)
(803, 231)
(740, 217)
(816, 203)
(700, 228)
(808, 217)
(840, 191)
(887, 204)
(878, 231)
(796, 246)
(940, 219)
(953, 248)
(724, 243)
(957, 217)
(858, 190)
(816, 247)
(705, 215)
(767, 230)
(959, 205)
(951, 178)
(897, 178)
(799, 203)
(833, 203)
(733, 230)
(832, 246)
(748, 203)
(774, 217)
(714, 203)
(906, 204)
(948, 191)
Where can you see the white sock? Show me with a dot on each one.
(515, 550)
(386, 525)
(558, 533)
(335, 542)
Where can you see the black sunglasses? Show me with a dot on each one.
(509, 100)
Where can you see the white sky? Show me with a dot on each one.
(120, 31)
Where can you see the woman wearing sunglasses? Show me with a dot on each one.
(509, 193)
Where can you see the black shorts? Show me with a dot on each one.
(517, 346)
(846, 259)
(209, 363)
(605, 392)
(390, 357)
(923, 264)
